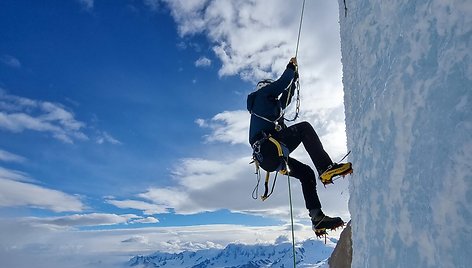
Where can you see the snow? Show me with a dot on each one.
(310, 253)
(407, 76)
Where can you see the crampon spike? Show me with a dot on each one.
(323, 232)
(349, 172)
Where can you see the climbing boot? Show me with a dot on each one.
(335, 170)
(321, 223)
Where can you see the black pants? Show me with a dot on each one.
(304, 133)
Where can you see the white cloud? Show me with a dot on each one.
(227, 183)
(24, 242)
(104, 137)
(18, 114)
(246, 41)
(10, 61)
(203, 62)
(211, 185)
(228, 126)
(147, 208)
(15, 175)
(16, 193)
(17, 190)
(91, 219)
(10, 157)
(146, 220)
(166, 197)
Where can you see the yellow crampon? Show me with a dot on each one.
(342, 170)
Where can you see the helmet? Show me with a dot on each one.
(263, 83)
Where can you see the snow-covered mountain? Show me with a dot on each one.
(310, 253)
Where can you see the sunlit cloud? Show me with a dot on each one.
(229, 126)
(146, 220)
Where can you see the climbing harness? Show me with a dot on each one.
(280, 166)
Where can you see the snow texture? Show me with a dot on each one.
(310, 253)
(407, 76)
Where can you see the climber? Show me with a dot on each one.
(266, 106)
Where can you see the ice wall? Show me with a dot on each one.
(407, 74)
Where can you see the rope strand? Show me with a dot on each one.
(300, 28)
(288, 173)
(291, 221)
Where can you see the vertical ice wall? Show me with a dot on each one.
(407, 74)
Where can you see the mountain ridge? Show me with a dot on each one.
(309, 253)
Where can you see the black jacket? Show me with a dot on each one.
(268, 102)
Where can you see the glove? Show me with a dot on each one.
(292, 64)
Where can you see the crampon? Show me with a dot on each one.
(335, 171)
(323, 232)
(338, 171)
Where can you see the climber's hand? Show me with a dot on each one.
(292, 64)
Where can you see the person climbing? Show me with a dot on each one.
(267, 128)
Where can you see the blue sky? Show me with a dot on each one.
(131, 113)
(127, 80)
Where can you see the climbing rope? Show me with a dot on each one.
(291, 221)
(300, 28)
(297, 109)
(288, 171)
